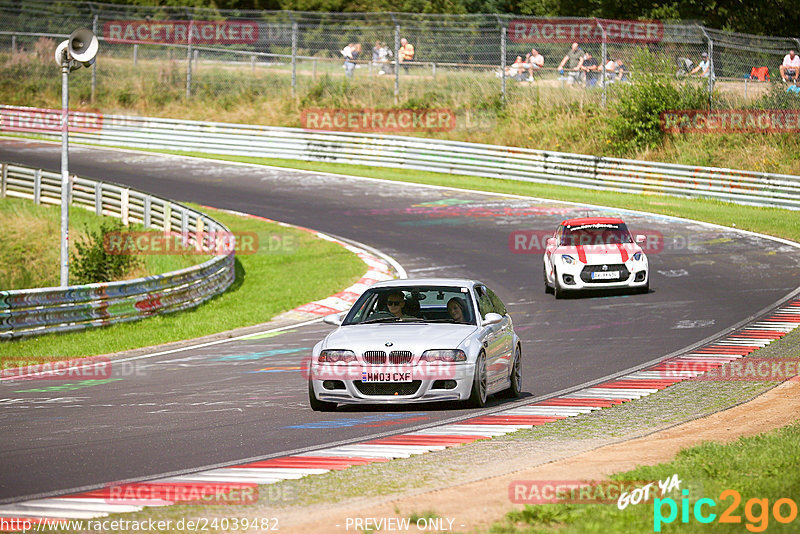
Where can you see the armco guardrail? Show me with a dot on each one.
(29, 312)
(607, 174)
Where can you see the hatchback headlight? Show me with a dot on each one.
(336, 356)
(566, 258)
(638, 256)
(443, 355)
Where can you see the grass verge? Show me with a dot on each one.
(30, 246)
(267, 283)
(762, 468)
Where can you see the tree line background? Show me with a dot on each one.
(761, 17)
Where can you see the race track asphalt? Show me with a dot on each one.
(246, 399)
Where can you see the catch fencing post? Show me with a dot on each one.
(603, 59)
(13, 44)
(503, 31)
(294, 55)
(711, 74)
(396, 59)
(135, 54)
(189, 57)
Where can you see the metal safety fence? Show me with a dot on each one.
(226, 54)
(30, 312)
(452, 157)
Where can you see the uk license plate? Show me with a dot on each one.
(386, 376)
(605, 275)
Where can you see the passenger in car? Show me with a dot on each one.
(457, 310)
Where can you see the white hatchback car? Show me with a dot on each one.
(594, 253)
(417, 341)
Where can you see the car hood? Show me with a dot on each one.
(416, 337)
(599, 254)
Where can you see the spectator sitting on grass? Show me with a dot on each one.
(406, 53)
(794, 88)
(703, 67)
(517, 69)
(790, 67)
(535, 62)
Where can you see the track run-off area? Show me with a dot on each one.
(246, 399)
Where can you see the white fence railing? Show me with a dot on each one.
(30, 312)
(453, 157)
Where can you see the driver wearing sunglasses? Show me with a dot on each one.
(395, 303)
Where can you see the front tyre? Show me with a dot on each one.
(547, 289)
(477, 398)
(557, 291)
(316, 404)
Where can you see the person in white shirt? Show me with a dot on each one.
(703, 67)
(535, 62)
(790, 67)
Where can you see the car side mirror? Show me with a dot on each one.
(492, 318)
(640, 238)
(551, 241)
(333, 320)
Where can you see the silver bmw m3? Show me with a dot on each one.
(417, 341)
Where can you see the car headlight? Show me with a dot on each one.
(336, 356)
(566, 258)
(443, 355)
(638, 256)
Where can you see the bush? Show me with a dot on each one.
(635, 122)
(92, 263)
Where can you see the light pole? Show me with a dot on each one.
(79, 49)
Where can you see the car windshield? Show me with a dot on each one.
(596, 234)
(413, 304)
